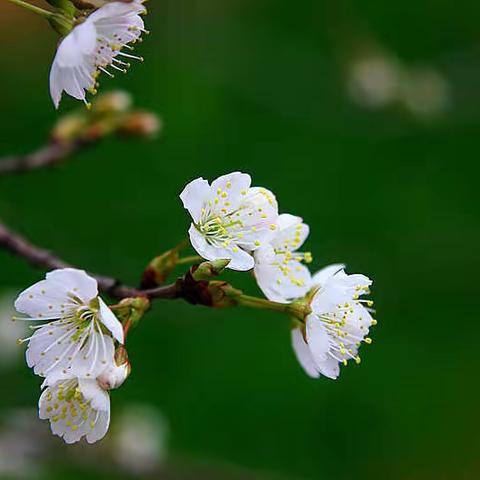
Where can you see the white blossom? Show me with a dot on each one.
(140, 443)
(230, 218)
(93, 46)
(278, 265)
(338, 324)
(76, 408)
(76, 338)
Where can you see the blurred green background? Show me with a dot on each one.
(363, 118)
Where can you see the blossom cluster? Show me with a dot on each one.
(73, 348)
(77, 344)
(233, 220)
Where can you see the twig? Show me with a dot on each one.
(48, 156)
(39, 257)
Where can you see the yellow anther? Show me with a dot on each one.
(368, 340)
(229, 184)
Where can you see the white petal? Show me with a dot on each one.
(96, 355)
(260, 214)
(278, 284)
(304, 356)
(77, 281)
(317, 339)
(233, 186)
(194, 196)
(72, 69)
(71, 413)
(99, 398)
(329, 368)
(239, 260)
(323, 275)
(291, 233)
(101, 427)
(110, 321)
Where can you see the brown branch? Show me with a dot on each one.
(39, 257)
(48, 156)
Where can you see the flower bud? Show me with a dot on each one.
(61, 24)
(69, 127)
(116, 374)
(207, 270)
(117, 101)
(140, 124)
(160, 268)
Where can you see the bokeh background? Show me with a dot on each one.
(363, 117)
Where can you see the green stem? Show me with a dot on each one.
(299, 309)
(32, 8)
(261, 303)
(188, 260)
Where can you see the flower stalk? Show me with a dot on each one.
(33, 8)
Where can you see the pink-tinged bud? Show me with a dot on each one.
(140, 124)
(116, 374)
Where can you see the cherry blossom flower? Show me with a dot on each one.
(279, 270)
(93, 46)
(76, 336)
(230, 218)
(338, 324)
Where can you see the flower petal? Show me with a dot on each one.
(108, 318)
(280, 281)
(317, 339)
(71, 414)
(99, 399)
(303, 354)
(239, 259)
(194, 196)
(323, 275)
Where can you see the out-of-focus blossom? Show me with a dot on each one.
(373, 81)
(139, 439)
(425, 92)
(383, 81)
(22, 445)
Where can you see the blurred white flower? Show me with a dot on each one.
(93, 46)
(76, 408)
(425, 92)
(230, 218)
(72, 342)
(140, 440)
(373, 80)
(339, 322)
(9, 331)
(278, 265)
(22, 445)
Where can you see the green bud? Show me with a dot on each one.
(159, 269)
(207, 270)
(222, 294)
(69, 127)
(64, 6)
(61, 24)
(112, 102)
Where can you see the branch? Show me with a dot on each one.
(48, 156)
(39, 257)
